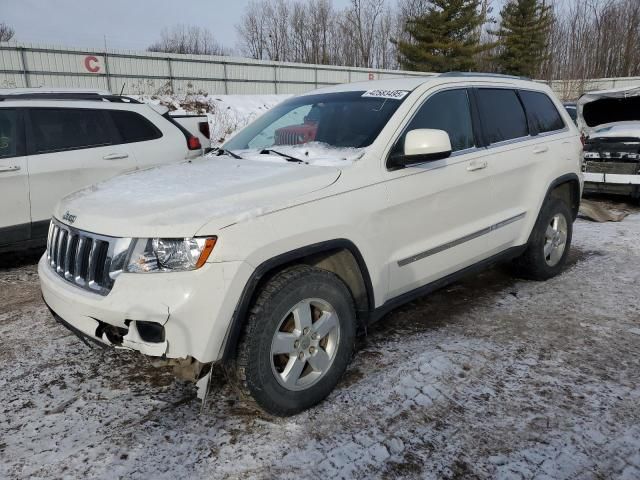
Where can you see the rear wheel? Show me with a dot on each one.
(549, 244)
(297, 342)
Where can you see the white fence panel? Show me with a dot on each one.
(25, 65)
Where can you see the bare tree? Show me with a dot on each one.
(190, 39)
(594, 39)
(311, 31)
(252, 31)
(6, 32)
(363, 17)
(276, 15)
(321, 15)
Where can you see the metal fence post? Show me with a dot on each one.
(173, 89)
(275, 78)
(23, 59)
(225, 78)
(106, 71)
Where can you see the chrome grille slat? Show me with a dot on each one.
(83, 258)
(54, 242)
(91, 269)
(68, 259)
(78, 261)
(61, 250)
(51, 225)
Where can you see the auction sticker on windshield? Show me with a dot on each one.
(393, 94)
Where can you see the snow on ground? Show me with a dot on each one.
(227, 113)
(489, 378)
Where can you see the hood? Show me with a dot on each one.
(605, 108)
(177, 200)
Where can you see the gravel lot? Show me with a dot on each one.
(490, 378)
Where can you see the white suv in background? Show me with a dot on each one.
(53, 142)
(318, 218)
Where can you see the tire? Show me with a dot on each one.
(281, 367)
(542, 259)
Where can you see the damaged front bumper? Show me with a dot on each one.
(615, 183)
(167, 315)
(611, 167)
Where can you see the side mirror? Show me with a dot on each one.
(423, 145)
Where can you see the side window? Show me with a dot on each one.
(9, 133)
(501, 114)
(133, 127)
(448, 111)
(59, 129)
(543, 115)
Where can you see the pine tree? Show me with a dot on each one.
(445, 38)
(523, 36)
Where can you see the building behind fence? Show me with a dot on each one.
(149, 73)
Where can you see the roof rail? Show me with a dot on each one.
(481, 74)
(68, 96)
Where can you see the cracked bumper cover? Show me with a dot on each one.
(194, 308)
(614, 178)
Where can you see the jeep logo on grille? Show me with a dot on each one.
(68, 217)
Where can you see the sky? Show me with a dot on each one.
(126, 24)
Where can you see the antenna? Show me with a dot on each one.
(122, 89)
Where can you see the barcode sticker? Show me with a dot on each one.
(392, 94)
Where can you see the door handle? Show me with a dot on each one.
(115, 156)
(13, 168)
(540, 149)
(477, 165)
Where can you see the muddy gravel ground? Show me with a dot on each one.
(489, 378)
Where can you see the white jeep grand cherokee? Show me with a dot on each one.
(315, 220)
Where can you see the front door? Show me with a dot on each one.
(439, 211)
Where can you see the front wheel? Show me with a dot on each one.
(297, 342)
(549, 243)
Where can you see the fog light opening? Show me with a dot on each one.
(151, 332)
(114, 334)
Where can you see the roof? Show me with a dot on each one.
(411, 83)
(18, 94)
(47, 90)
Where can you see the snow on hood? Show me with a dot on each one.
(606, 107)
(176, 200)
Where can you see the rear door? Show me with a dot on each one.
(149, 143)
(69, 148)
(14, 185)
(511, 161)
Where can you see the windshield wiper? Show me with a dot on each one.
(222, 151)
(288, 157)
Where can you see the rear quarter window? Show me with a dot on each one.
(543, 114)
(501, 114)
(133, 127)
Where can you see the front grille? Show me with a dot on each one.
(85, 259)
(287, 137)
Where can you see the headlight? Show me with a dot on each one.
(169, 254)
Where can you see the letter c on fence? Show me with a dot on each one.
(91, 63)
(372, 76)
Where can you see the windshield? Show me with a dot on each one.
(338, 120)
